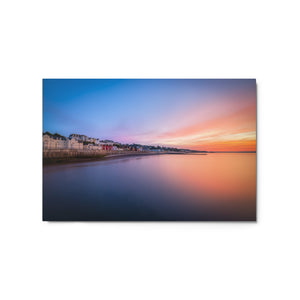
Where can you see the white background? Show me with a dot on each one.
(172, 39)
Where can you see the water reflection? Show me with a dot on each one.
(162, 187)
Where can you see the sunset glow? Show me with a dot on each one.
(211, 115)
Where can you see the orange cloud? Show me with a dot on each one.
(232, 132)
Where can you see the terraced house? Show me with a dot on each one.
(56, 141)
(74, 141)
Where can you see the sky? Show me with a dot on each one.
(197, 114)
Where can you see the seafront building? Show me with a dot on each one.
(83, 142)
(60, 142)
(81, 138)
(75, 142)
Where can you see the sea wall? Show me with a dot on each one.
(64, 153)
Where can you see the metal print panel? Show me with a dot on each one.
(149, 150)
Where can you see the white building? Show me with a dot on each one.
(75, 141)
(51, 142)
(74, 144)
(60, 142)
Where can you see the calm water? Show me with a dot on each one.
(160, 187)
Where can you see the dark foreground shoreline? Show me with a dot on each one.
(66, 160)
(100, 157)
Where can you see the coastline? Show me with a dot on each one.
(49, 161)
(100, 157)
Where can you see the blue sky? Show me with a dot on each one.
(135, 110)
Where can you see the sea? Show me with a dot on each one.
(164, 187)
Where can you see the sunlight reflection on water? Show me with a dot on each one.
(213, 187)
